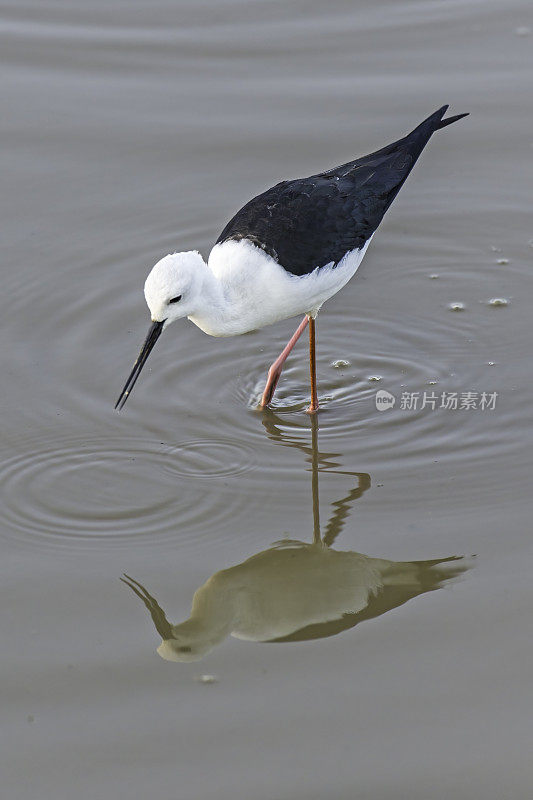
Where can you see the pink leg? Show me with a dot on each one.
(275, 370)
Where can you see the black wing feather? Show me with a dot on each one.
(310, 222)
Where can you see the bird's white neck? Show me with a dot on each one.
(213, 615)
(212, 311)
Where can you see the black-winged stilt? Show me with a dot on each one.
(284, 253)
(295, 590)
(292, 592)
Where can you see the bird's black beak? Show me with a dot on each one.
(162, 625)
(156, 328)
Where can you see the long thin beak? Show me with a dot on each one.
(162, 625)
(156, 328)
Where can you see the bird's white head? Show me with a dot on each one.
(173, 287)
(188, 641)
(184, 648)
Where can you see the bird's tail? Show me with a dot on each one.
(434, 123)
(415, 141)
(450, 120)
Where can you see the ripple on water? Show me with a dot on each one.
(109, 489)
(399, 349)
(398, 352)
(210, 458)
(409, 354)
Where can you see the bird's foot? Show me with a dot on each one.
(270, 388)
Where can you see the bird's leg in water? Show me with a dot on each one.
(275, 370)
(312, 366)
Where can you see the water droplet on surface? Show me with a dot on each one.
(456, 306)
(340, 363)
(491, 363)
(432, 382)
(374, 378)
(502, 261)
(207, 679)
(498, 301)
(434, 276)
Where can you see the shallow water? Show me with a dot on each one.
(130, 131)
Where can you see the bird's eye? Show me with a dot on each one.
(184, 649)
(175, 299)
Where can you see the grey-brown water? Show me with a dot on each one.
(131, 130)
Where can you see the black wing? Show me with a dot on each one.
(310, 222)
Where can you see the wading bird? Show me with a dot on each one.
(294, 590)
(283, 254)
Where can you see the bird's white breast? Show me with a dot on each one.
(257, 291)
(284, 590)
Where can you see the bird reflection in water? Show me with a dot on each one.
(294, 590)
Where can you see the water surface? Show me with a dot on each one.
(129, 131)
